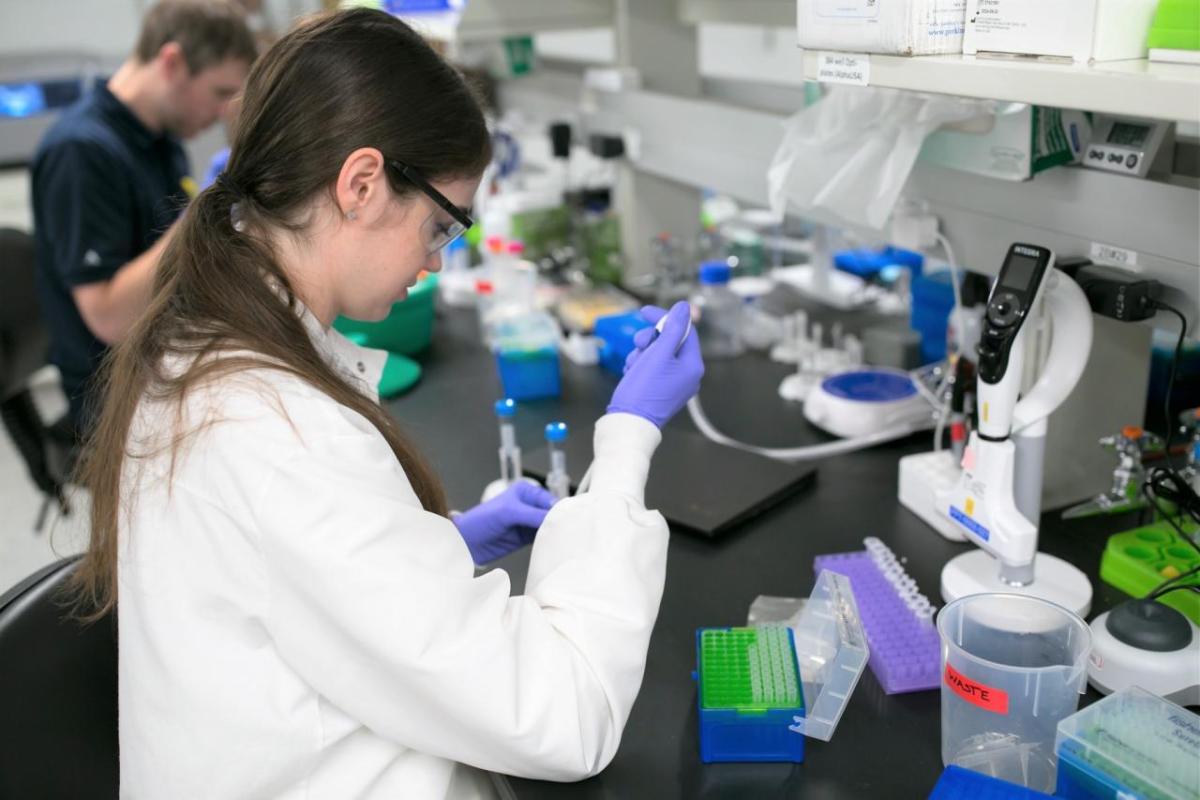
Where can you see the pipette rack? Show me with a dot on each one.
(898, 619)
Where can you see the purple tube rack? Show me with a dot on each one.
(906, 654)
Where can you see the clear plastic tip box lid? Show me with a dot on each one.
(1130, 744)
(831, 651)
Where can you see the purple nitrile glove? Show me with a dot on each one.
(658, 380)
(505, 523)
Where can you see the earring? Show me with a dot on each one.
(352, 215)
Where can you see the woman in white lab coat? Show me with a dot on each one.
(298, 616)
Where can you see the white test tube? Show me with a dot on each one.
(557, 479)
(510, 453)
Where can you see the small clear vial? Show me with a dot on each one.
(718, 312)
(510, 453)
(557, 480)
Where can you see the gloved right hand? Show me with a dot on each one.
(658, 382)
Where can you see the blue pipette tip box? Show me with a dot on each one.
(529, 374)
(749, 694)
(958, 783)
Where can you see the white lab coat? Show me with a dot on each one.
(294, 625)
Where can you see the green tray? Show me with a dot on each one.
(1139, 560)
(1176, 26)
(748, 669)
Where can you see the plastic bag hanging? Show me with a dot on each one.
(845, 159)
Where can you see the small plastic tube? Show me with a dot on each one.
(557, 480)
(510, 453)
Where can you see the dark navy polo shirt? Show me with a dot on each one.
(104, 189)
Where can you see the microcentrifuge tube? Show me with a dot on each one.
(510, 453)
(557, 480)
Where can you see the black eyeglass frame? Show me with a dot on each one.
(414, 177)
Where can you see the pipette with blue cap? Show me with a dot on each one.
(557, 480)
(510, 453)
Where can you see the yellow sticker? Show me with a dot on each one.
(985, 412)
(189, 185)
(970, 506)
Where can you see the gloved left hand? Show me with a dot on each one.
(506, 522)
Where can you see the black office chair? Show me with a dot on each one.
(48, 450)
(58, 695)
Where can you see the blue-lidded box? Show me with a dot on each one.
(526, 348)
(763, 690)
(748, 694)
(529, 374)
(868, 262)
(958, 783)
(616, 339)
(932, 302)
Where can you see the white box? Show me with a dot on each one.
(1082, 30)
(1016, 146)
(892, 27)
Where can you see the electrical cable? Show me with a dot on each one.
(1164, 587)
(1161, 306)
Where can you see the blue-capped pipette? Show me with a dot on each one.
(557, 480)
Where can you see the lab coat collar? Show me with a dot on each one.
(362, 366)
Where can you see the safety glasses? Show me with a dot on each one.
(437, 232)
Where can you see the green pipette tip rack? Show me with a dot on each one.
(748, 669)
(1140, 560)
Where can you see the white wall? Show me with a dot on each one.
(736, 52)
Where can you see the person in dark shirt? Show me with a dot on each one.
(110, 178)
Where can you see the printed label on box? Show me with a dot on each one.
(849, 68)
(986, 697)
(847, 9)
(1114, 256)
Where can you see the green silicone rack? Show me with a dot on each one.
(1138, 561)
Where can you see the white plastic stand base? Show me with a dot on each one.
(923, 478)
(977, 572)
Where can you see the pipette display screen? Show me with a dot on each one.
(1127, 134)
(1018, 272)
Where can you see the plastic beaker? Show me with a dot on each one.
(1013, 666)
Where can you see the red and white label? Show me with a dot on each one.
(986, 697)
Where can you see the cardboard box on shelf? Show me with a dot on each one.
(1080, 30)
(891, 27)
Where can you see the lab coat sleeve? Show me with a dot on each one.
(375, 603)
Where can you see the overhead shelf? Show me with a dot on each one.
(1137, 88)
(485, 20)
(780, 13)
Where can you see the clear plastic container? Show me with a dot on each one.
(1130, 744)
(717, 313)
(1013, 667)
(831, 651)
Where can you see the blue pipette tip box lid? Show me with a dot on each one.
(1130, 744)
(958, 783)
(751, 713)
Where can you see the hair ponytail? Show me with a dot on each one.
(338, 82)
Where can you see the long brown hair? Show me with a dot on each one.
(336, 83)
